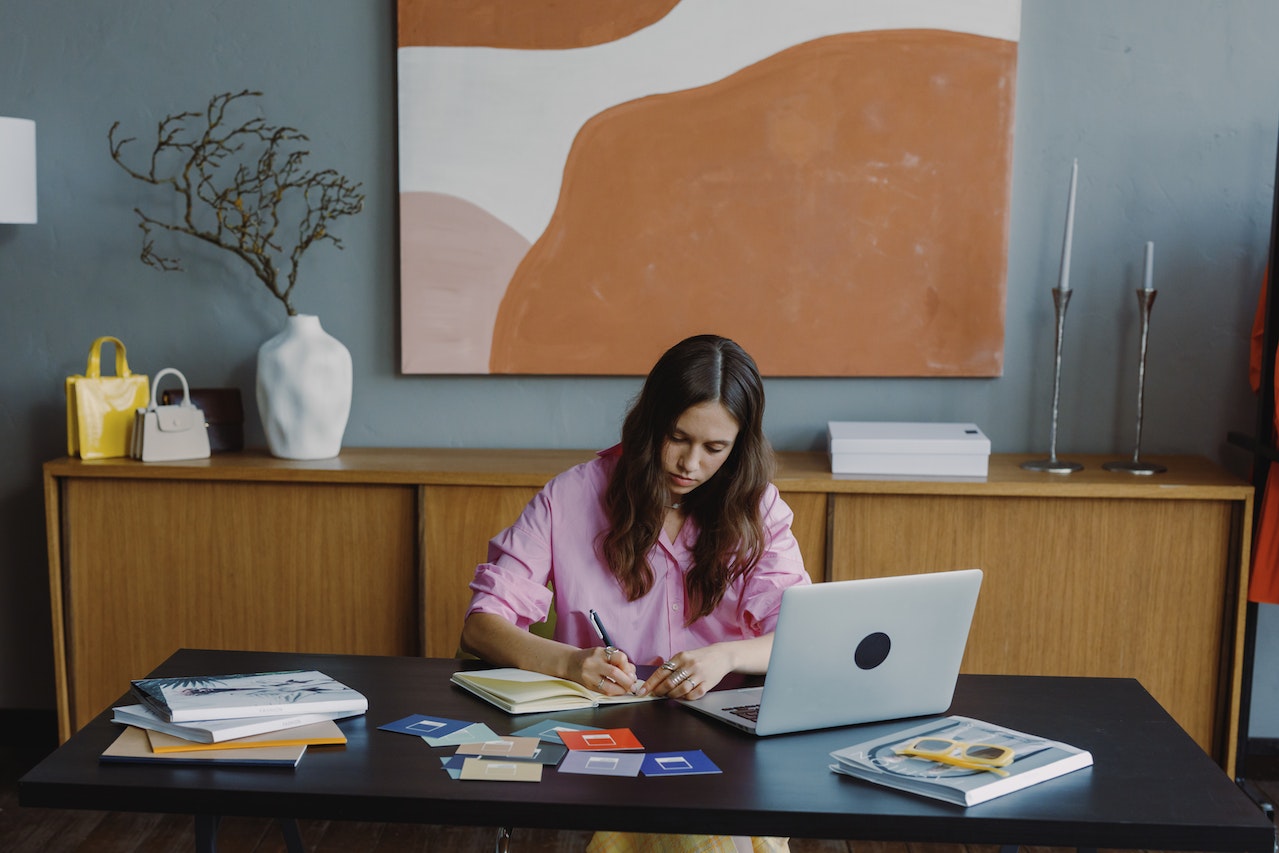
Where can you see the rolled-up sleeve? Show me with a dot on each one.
(780, 567)
(512, 583)
(557, 529)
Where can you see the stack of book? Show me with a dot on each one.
(263, 718)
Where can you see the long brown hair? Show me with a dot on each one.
(700, 369)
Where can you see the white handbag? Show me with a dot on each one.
(165, 433)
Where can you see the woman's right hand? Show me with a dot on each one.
(491, 638)
(605, 670)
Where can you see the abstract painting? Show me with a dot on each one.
(585, 182)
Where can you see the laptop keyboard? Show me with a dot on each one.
(750, 712)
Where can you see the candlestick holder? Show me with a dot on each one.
(1145, 299)
(1053, 465)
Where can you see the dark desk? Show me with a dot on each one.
(1151, 787)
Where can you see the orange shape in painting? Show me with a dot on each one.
(840, 208)
(524, 24)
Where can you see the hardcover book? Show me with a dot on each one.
(258, 694)
(960, 760)
(518, 691)
(218, 731)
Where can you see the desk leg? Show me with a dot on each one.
(292, 835)
(206, 833)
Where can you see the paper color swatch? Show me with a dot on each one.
(593, 763)
(474, 733)
(507, 747)
(605, 740)
(492, 770)
(549, 730)
(688, 763)
(424, 726)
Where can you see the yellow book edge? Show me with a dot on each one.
(132, 745)
(324, 733)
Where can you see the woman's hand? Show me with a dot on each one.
(605, 670)
(692, 674)
(493, 639)
(689, 674)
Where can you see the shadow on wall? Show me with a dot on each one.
(25, 622)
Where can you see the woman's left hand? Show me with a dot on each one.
(688, 674)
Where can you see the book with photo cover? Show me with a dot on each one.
(519, 691)
(218, 731)
(256, 694)
(959, 759)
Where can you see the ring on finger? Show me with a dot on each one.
(692, 685)
(608, 653)
(669, 666)
(599, 685)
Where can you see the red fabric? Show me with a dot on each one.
(1263, 587)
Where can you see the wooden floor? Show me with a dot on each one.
(31, 830)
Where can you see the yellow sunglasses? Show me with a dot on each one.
(957, 753)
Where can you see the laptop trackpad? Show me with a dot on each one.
(727, 699)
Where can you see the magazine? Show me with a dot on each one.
(959, 759)
(259, 694)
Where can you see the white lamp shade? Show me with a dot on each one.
(17, 170)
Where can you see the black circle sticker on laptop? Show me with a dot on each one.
(872, 650)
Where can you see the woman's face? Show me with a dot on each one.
(697, 447)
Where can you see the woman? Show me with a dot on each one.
(676, 538)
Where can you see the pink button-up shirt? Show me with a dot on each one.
(555, 540)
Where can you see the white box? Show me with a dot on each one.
(903, 449)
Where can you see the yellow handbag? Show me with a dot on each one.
(100, 409)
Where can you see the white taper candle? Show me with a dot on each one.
(1063, 282)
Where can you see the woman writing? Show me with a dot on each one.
(676, 537)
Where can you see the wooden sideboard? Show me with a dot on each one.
(1093, 573)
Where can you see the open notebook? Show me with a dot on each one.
(519, 691)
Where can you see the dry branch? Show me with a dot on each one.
(241, 187)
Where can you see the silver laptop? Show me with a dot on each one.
(857, 651)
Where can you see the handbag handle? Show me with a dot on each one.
(94, 369)
(155, 386)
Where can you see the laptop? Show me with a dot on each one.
(858, 651)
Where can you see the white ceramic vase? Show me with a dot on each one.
(304, 390)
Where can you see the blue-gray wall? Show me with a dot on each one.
(1170, 105)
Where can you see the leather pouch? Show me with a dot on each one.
(223, 412)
